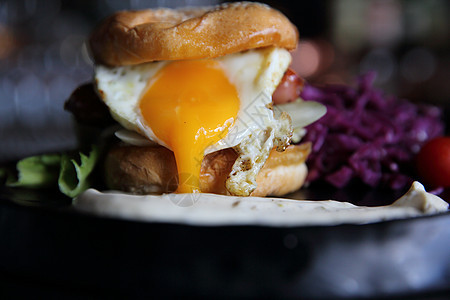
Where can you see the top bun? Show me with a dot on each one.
(134, 37)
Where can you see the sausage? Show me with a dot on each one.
(88, 108)
(289, 89)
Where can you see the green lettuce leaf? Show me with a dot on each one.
(3, 173)
(74, 177)
(51, 170)
(38, 171)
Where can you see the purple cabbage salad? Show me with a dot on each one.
(367, 136)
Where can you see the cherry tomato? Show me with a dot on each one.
(433, 162)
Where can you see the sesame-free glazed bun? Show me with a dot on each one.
(134, 37)
(152, 169)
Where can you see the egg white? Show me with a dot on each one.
(254, 73)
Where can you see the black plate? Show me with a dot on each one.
(54, 251)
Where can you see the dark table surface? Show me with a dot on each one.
(49, 250)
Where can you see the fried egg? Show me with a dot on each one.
(195, 107)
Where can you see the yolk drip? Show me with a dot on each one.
(189, 105)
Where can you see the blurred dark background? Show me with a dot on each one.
(43, 56)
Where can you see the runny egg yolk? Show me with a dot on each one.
(190, 105)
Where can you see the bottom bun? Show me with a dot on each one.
(152, 169)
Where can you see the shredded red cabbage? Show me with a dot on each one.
(367, 136)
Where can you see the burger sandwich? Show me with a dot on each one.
(205, 100)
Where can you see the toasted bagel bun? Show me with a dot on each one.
(134, 37)
(152, 169)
